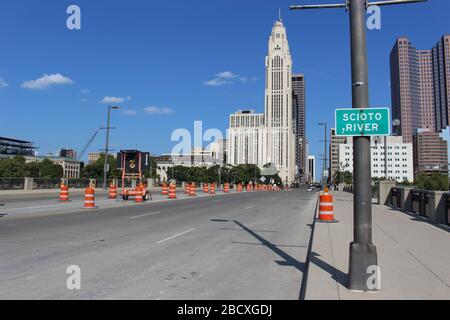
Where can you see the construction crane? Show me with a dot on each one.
(87, 145)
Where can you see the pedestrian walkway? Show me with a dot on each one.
(413, 255)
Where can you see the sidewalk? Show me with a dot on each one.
(413, 255)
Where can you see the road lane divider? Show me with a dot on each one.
(145, 215)
(175, 236)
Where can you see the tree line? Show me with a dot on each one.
(18, 168)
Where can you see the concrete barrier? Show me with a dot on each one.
(432, 205)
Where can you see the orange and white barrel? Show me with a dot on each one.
(212, 188)
(89, 198)
(172, 191)
(139, 194)
(192, 191)
(112, 192)
(205, 188)
(64, 193)
(239, 187)
(226, 188)
(187, 188)
(249, 188)
(164, 189)
(326, 208)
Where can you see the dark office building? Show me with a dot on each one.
(15, 147)
(298, 108)
(420, 87)
(68, 153)
(441, 79)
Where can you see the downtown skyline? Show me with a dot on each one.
(164, 79)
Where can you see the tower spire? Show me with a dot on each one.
(279, 15)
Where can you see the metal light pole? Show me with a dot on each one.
(325, 142)
(105, 167)
(363, 253)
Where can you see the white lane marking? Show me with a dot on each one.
(249, 207)
(145, 215)
(175, 236)
(215, 201)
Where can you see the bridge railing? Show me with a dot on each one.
(12, 183)
(432, 205)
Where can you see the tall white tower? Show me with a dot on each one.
(278, 104)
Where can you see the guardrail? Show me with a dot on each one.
(12, 183)
(419, 202)
(396, 198)
(432, 205)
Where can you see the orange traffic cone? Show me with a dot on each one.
(326, 208)
(112, 192)
(138, 194)
(64, 193)
(172, 191)
(89, 198)
(165, 189)
(212, 188)
(192, 191)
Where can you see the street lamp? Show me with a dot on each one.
(363, 253)
(105, 167)
(324, 124)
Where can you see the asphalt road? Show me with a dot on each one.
(236, 246)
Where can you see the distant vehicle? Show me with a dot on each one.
(311, 189)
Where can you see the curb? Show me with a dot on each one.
(304, 283)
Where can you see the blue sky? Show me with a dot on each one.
(158, 56)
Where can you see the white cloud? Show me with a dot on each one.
(216, 82)
(3, 83)
(46, 81)
(85, 92)
(156, 110)
(129, 112)
(109, 99)
(227, 77)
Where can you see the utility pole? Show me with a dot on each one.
(105, 166)
(325, 143)
(363, 253)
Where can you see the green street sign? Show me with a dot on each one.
(363, 122)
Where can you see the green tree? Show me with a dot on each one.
(13, 167)
(95, 170)
(343, 177)
(18, 168)
(435, 181)
(151, 173)
(49, 170)
(245, 173)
